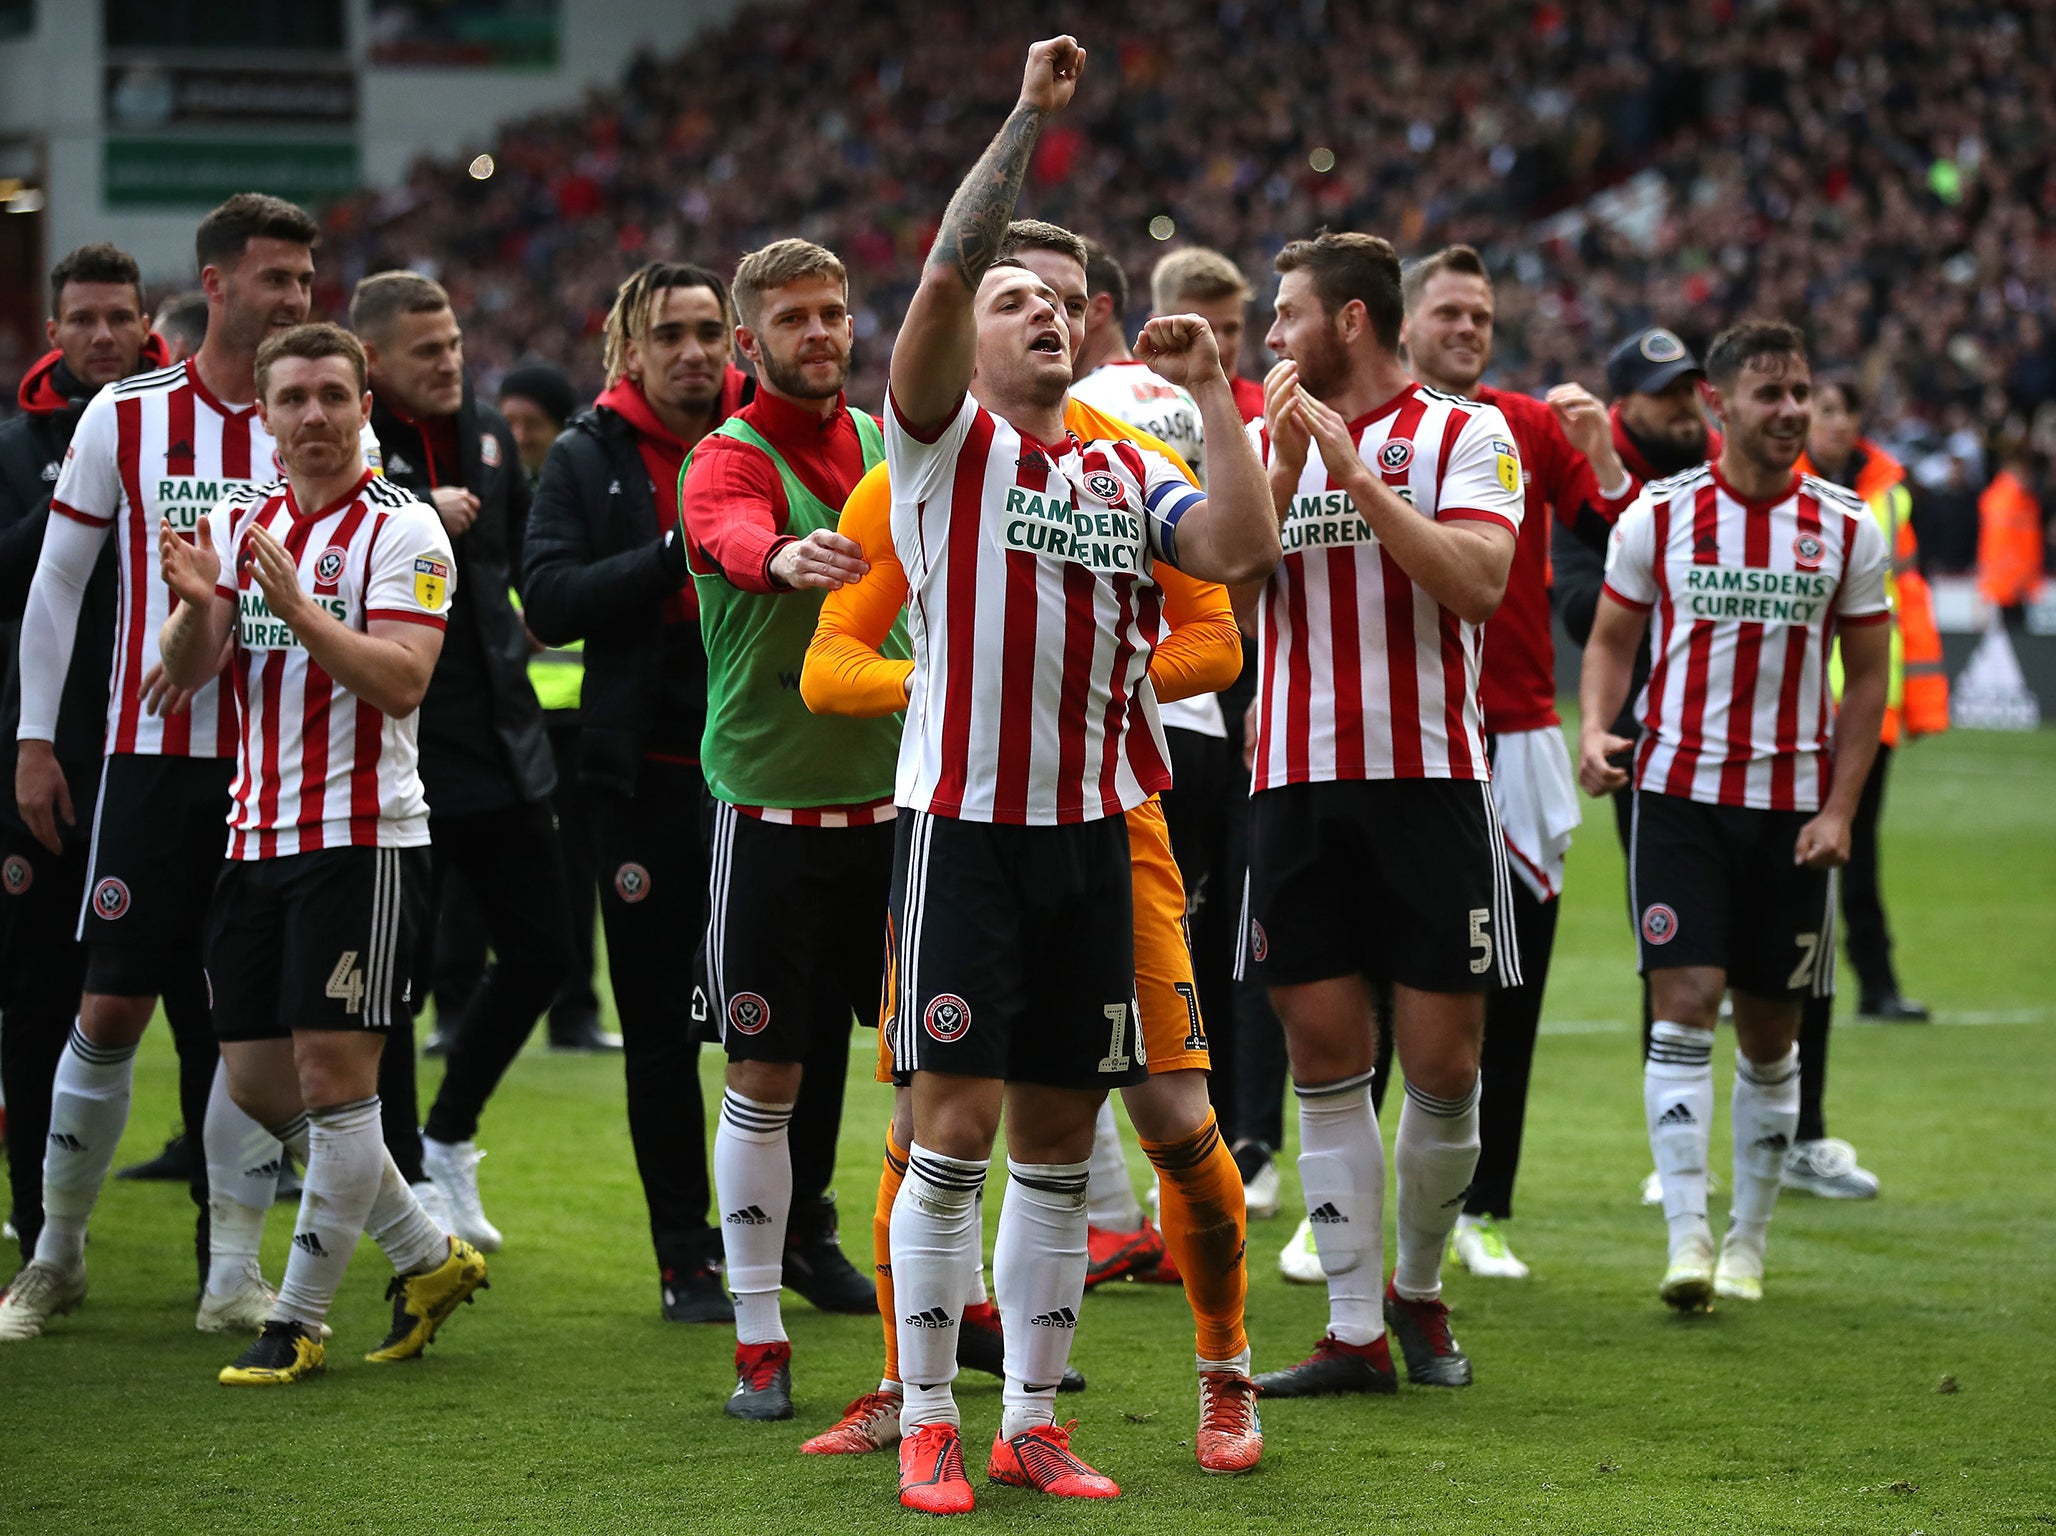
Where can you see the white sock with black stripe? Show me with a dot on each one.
(344, 1153)
(89, 1109)
(243, 1164)
(1764, 1116)
(1038, 1271)
(404, 1232)
(1677, 1101)
(1342, 1174)
(934, 1249)
(753, 1185)
(1434, 1154)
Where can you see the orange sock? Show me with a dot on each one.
(894, 1175)
(1205, 1226)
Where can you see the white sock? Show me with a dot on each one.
(1038, 1268)
(404, 1232)
(244, 1161)
(1239, 1366)
(934, 1249)
(89, 1107)
(753, 1183)
(343, 1156)
(975, 1294)
(1342, 1174)
(1677, 1101)
(292, 1135)
(1109, 1192)
(1764, 1117)
(1434, 1154)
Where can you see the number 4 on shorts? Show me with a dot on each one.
(346, 983)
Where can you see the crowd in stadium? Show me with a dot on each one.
(551, 607)
(1877, 173)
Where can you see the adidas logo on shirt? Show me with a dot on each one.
(934, 1317)
(1326, 1214)
(1677, 1114)
(1063, 1317)
(749, 1216)
(310, 1243)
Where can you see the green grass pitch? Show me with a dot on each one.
(562, 1403)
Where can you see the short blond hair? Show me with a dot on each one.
(385, 296)
(1195, 273)
(775, 265)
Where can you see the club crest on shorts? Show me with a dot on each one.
(1259, 941)
(631, 883)
(947, 1018)
(17, 874)
(1659, 923)
(748, 1013)
(1107, 487)
(328, 570)
(1395, 456)
(110, 898)
(1807, 550)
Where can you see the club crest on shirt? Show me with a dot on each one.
(431, 582)
(1659, 923)
(489, 451)
(1395, 456)
(748, 1013)
(947, 1018)
(1807, 551)
(17, 874)
(328, 570)
(1107, 487)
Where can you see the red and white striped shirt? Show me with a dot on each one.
(1363, 674)
(1031, 616)
(1745, 598)
(154, 447)
(316, 766)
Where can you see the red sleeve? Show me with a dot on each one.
(734, 510)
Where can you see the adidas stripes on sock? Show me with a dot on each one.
(1038, 1268)
(244, 1161)
(1434, 1155)
(89, 1107)
(344, 1154)
(1109, 1193)
(1342, 1173)
(1764, 1116)
(1677, 1100)
(753, 1183)
(934, 1248)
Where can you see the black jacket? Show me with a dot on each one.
(1577, 572)
(596, 569)
(32, 448)
(483, 747)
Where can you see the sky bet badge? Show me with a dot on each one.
(431, 583)
(1509, 465)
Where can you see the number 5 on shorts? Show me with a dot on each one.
(346, 983)
(1481, 941)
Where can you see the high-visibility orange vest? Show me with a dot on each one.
(2009, 542)
(1917, 693)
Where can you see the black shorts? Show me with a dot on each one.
(1715, 885)
(1013, 953)
(1401, 880)
(322, 940)
(160, 833)
(795, 940)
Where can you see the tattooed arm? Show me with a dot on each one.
(938, 344)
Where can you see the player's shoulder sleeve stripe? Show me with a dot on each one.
(1840, 497)
(250, 492)
(145, 383)
(382, 492)
(1447, 398)
(1678, 484)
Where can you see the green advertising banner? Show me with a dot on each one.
(197, 173)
